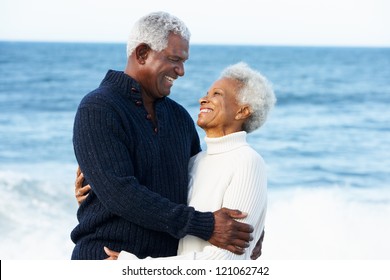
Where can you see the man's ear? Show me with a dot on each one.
(243, 113)
(142, 52)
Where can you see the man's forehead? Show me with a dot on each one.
(177, 46)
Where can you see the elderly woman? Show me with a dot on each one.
(229, 173)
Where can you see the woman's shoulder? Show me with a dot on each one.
(198, 157)
(248, 155)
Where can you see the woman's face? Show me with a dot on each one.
(219, 108)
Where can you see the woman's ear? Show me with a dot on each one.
(243, 113)
(141, 52)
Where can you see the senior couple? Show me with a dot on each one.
(150, 192)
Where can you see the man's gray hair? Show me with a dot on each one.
(153, 29)
(254, 90)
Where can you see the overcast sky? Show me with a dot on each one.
(260, 22)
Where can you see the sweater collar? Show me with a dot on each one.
(124, 81)
(131, 88)
(226, 143)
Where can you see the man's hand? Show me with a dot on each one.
(256, 253)
(228, 233)
(81, 192)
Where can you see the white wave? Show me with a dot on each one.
(38, 213)
(328, 224)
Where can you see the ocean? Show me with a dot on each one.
(326, 143)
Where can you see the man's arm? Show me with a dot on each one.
(105, 160)
(256, 253)
(224, 235)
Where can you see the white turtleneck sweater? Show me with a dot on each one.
(228, 174)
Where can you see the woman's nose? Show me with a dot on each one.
(203, 100)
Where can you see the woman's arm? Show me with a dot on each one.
(80, 192)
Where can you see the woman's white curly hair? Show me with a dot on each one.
(153, 29)
(254, 90)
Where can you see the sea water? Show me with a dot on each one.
(326, 143)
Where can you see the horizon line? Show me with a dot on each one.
(197, 43)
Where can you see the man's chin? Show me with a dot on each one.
(165, 93)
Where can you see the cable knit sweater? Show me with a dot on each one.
(229, 174)
(138, 173)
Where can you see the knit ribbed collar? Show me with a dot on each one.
(225, 143)
(131, 88)
(124, 81)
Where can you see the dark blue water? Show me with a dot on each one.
(330, 126)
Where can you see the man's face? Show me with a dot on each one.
(164, 67)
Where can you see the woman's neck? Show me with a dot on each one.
(215, 133)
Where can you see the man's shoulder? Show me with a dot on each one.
(105, 92)
(103, 95)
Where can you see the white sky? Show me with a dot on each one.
(262, 22)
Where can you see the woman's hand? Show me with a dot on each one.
(112, 255)
(81, 192)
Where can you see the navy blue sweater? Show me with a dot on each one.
(138, 173)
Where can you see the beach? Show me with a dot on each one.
(326, 144)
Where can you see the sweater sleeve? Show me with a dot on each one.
(247, 192)
(99, 144)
